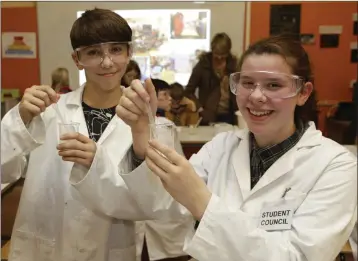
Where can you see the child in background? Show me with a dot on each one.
(163, 93)
(60, 80)
(132, 72)
(183, 110)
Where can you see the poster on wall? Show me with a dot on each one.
(329, 35)
(19, 45)
(307, 39)
(166, 42)
(285, 19)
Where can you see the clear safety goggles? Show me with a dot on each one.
(93, 55)
(272, 84)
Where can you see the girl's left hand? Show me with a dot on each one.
(178, 177)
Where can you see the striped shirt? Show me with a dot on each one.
(261, 159)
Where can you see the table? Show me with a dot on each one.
(10, 198)
(201, 134)
(5, 251)
(192, 139)
(5, 187)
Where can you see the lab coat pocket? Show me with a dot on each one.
(295, 197)
(277, 215)
(82, 228)
(291, 197)
(25, 246)
(127, 254)
(22, 245)
(45, 249)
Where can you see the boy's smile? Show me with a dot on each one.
(108, 74)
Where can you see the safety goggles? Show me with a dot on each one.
(272, 84)
(93, 55)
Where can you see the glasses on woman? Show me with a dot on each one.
(272, 84)
(93, 55)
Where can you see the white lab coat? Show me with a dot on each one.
(353, 241)
(51, 212)
(321, 175)
(165, 238)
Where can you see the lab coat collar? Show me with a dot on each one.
(312, 137)
(75, 99)
(283, 165)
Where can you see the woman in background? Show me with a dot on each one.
(211, 76)
(60, 80)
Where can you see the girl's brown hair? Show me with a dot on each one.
(297, 58)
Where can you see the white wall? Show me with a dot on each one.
(55, 20)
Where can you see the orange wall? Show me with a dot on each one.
(19, 73)
(332, 68)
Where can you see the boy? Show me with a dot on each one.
(52, 223)
(162, 89)
(183, 111)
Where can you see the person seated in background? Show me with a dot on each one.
(132, 72)
(183, 110)
(164, 100)
(210, 76)
(60, 80)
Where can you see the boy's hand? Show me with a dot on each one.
(35, 100)
(77, 148)
(132, 109)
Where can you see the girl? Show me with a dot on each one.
(278, 190)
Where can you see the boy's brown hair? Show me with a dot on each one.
(177, 91)
(99, 26)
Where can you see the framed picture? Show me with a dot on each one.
(307, 39)
(19, 45)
